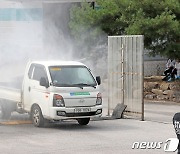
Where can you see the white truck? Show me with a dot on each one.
(53, 91)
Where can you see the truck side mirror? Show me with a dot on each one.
(98, 79)
(43, 82)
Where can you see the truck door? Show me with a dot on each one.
(39, 94)
(27, 88)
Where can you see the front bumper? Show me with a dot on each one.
(62, 113)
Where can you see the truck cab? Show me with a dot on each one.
(60, 90)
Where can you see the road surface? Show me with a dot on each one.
(99, 137)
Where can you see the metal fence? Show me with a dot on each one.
(125, 74)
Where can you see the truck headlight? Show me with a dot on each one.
(58, 101)
(99, 99)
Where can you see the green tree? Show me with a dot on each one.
(158, 21)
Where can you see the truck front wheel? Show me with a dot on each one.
(37, 117)
(83, 121)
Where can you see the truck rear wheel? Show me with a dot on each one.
(37, 117)
(83, 121)
(1, 111)
(5, 112)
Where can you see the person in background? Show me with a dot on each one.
(176, 123)
(177, 67)
(169, 72)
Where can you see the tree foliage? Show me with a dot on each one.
(158, 21)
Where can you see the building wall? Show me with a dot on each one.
(20, 26)
(20, 36)
(154, 68)
(153, 65)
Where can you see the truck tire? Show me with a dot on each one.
(5, 111)
(37, 117)
(1, 111)
(6, 115)
(83, 121)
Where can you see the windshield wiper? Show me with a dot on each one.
(80, 85)
(66, 85)
(84, 84)
(61, 85)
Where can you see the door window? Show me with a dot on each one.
(30, 71)
(39, 72)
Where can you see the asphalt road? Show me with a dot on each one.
(106, 136)
(157, 111)
(160, 111)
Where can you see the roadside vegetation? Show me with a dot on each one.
(158, 21)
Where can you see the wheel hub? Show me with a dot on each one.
(36, 116)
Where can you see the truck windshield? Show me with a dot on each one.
(65, 76)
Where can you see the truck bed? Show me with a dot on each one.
(10, 94)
